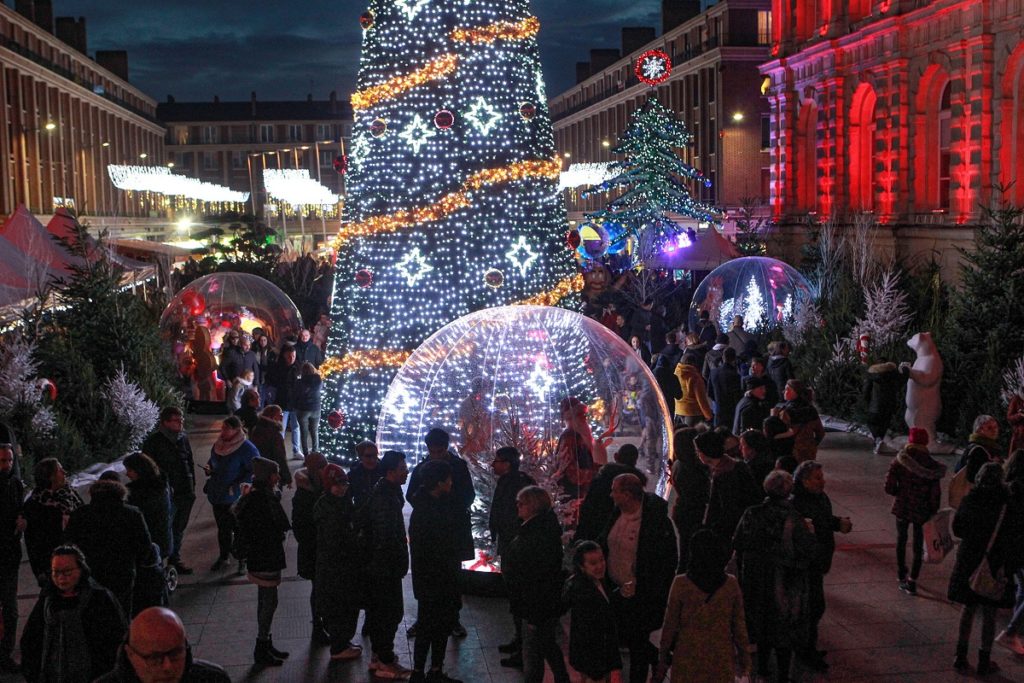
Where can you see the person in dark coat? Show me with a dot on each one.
(881, 394)
(503, 523)
(308, 490)
(753, 408)
(707, 329)
(262, 526)
(780, 368)
(114, 538)
(974, 523)
(229, 467)
(800, 415)
(283, 377)
(149, 492)
(596, 509)
(463, 495)
(249, 413)
(642, 554)
(1010, 637)
(266, 358)
(307, 407)
(665, 375)
(983, 447)
(691, 481)
(774, 549)
(364, 475)
(759, 368)
(157, 650)
(435, 563)
(714, 358)
(756, 453)
(725, 390)
(171, 450)
(339, 561)
(732, 489)
(533, 569)
(915, 480)
(306, 351)
(74, 630)
(266, 437)
(593, 634)
(46, 511)
(12, 524)
(811, 501)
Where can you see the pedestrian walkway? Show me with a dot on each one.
(871, 630)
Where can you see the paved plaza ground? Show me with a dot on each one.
(872, 631)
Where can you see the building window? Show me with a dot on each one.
(182, 160)
(323, 132)
(266, 133)
(945, 122)
(766, 182)
(210, 135)
(238, 159)
(764, 27)
(712, 137)
(696, 89)
(181, 134)
(210, 162)
(295, 133)
(696, 139)
(326, 158)
(712, 85)
(766, 131)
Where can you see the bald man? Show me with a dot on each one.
(157, 651)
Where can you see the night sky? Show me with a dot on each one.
(195, 49)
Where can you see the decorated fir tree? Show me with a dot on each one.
(655, 183)
(452, 201)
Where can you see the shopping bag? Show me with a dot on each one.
(938, 537)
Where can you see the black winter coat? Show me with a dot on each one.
(12, 496)
(196, 671)
(593, 637)
(262, 526)
(597, 507)
(307, 392)
(230, 365)
(973, 523)
(731, 493)
(153, 499)
(388, 545)
(174, 458)
(307, 492)
(656, 558)
(283, 378)
(881, 394)
(339, 558)
(750, 414)
(780, 371)
(361, 482)
(44, 531)
(690, 479)
(463, 495)
(503, 521)
(533, 569)
(665, 375)
(266, 437)
(818, 508)
(725, 390)
(308, 352)
(434, 548)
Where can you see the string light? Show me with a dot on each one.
(502, 30)
(160, 180)
(388, 90)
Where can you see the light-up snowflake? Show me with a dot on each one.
(483, 116)
(521, 255)
(414, 267)
(654, 68)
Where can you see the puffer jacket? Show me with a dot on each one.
(694, 398)
(915, 479)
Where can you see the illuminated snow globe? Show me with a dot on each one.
(559, 387)
(764, 292)
(201, 315)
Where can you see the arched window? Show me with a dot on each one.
(945, 119)
(862, 149)
(1011, 158)
(932, 123)
(806, 157)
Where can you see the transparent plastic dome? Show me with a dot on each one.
(763, 291)
(500, 376)
(203, 312)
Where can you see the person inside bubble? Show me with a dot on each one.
(579, 453)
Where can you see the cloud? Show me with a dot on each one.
(195, 49)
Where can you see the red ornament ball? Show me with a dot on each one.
(364, 278)
(572, 239)
(366, 20)
(378, 128)
(336, 419)
(653, 67)
(341, 164)
(528, 110)
(494, 278)
(444, 119)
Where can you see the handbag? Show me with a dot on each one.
(938, 539)
(984, 582)
(958, 488)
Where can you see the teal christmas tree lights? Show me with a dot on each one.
(654, 183)
(452, 197)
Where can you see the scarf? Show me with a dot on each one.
(988, 444)
(64, 498)
(222, 447)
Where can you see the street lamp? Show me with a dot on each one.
(737, 117)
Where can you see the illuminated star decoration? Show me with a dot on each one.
(540, 380)
(417, 134)
(403, 404)
(528, 257)
(414, 258)
(411, 7)
(654, 68)
(483, 116)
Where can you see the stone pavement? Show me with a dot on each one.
(872, 631)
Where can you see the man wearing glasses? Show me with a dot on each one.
(157, 651)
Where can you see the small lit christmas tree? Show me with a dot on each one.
(654, 179)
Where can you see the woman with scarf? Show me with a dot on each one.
(47, 511)
(704, 636)
(802, 418)
(593, 637)
(983, 447)
(229, 467)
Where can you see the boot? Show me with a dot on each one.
(280, 654)
(960, 663)
(985, 664)
(262, 656)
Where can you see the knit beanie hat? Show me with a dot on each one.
(918, 436)
(262, 468)
(333, 475)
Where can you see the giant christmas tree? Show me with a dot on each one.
(452, 200)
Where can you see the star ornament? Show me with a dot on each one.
(521, 255)
(414, 267)
(411, 7)
(417, 133)
(653, 67)
(540, 380)
(483, 116)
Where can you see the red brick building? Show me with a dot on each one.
(911, 110)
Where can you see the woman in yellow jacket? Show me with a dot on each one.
(693, 405)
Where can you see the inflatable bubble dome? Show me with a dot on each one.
(763, 291)
(198, 318)
(547, 381)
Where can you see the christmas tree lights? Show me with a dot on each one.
(452, 201)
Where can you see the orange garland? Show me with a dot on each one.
(502, 30)
(435, 69)
(556, 294)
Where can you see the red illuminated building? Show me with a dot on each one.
(909, 110)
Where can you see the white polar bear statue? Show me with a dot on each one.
(924, 403)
